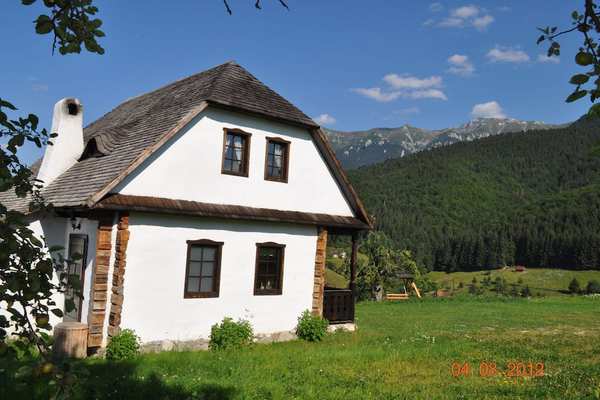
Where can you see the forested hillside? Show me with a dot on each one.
(530, 199)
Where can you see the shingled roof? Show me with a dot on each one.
(140, 125)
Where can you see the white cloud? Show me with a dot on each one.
(406, 86)
(436, 7)
(410, 82)
(325, 119)
(426, 94)
(481, 23)
(452, 22)
(377, 94)
(507, 54)
(39, 87)
(543, 58)
(465, 12)
(491, 109)
(460, 65)
(408, 111)
(467, 16)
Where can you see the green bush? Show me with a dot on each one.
(574, 286)
(230, 334)
(311, 327)
(593, 287)
(123, 346)
(426, 284)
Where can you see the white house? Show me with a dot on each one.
(206, 198)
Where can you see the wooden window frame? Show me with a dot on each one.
(286, 160)
(245, 155)
(269, 292)
(217, 272)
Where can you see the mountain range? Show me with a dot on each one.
(359, 148)
(512, 199)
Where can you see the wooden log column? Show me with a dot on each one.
(353, 261)
(116, 298)
(97, 308)
(319, 279)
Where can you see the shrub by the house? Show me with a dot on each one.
(123, 346)
(230, 334)
(311, 327)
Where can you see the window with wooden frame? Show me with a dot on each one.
(277, 160)
(236, 152)
(203, 268)
(268, 275)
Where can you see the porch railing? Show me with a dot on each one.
(338, 306)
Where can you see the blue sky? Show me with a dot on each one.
(355, 64)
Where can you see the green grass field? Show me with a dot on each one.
(545, 281)
(402, 350)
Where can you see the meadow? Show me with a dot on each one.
(541, 281)
(401, 350)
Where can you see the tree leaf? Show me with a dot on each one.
(43, 25)
(583, 58)
(58, 312)
(4, 103)
(576, 95)
(34, 121)
(579, 79)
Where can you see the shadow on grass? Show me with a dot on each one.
(121, 381)
(118, 380)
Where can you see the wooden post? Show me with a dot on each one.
(353, 261)
(116, 297)
(319, 277)
(70, 340)
(97, 307)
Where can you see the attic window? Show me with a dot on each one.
(91, 150)
(277, 160)
(72, 108)
(236, 152)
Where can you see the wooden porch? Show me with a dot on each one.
(338, 304)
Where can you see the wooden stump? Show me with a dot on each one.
(70, 340)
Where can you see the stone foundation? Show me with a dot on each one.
(349, 327)
(202, 344)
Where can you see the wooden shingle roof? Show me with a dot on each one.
(132, 131)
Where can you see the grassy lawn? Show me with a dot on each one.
(546, 281)
(402, 350)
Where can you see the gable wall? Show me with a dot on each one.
(188, 167)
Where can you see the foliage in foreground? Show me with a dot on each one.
(125, 345)
(311, 328)
(230, 334)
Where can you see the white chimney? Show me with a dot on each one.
(67, 122)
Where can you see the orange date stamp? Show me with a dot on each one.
(513, 369)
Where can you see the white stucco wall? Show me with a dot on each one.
(154, 279)
(189, 168)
